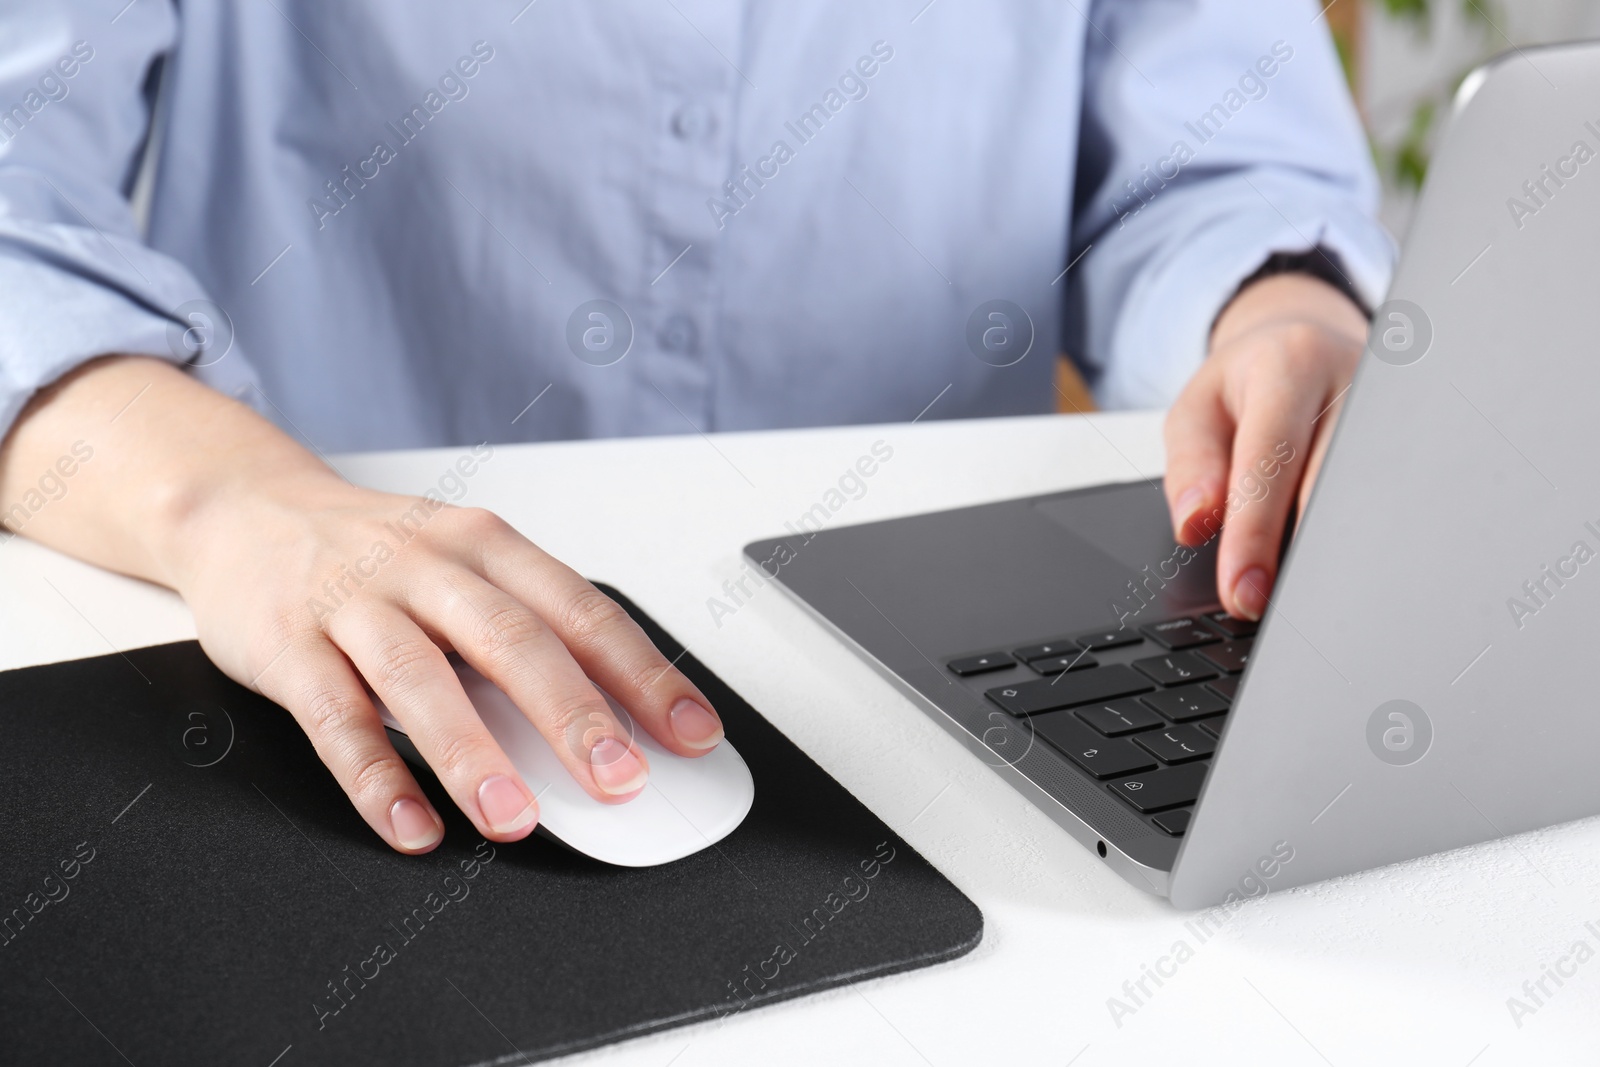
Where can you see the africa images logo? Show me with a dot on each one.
(1399, 733)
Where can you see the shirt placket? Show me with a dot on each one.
(696, 86)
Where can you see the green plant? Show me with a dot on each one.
(1405, 162)
(1420, 12)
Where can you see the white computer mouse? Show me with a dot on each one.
(688, 803)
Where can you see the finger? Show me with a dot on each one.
(325, 697)
(1322, 437)
(609, 646)
(512, 646)
(1199, 439)
(410, 673)
(1268, 456)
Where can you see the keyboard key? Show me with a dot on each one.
(1069, 690)
(1061, 646)
(1103, 757)
(1072, 661)
(1229, 658)
(1228, 626)
(989, 661)
(1170, 787)
(1213, 725)
(1095, 640)
(1186, 703)
(1226, 688)
(1177, 669)
(1180, 744)
(1120, 717)
(1176, 822)
(1179, 633)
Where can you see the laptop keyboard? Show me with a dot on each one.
(1146, 728)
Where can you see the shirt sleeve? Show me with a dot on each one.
(77, 280)
(1215, 133)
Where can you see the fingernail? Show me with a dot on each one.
(694, 725)
(1250, 594)
(1188, 503)
(506, 808)
(617, 770)
(415, 827)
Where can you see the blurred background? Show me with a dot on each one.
(1406, 57)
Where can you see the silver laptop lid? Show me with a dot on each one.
(1427, 674)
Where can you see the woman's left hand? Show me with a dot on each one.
(1248, 433)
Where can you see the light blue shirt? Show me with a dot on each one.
(402, 223)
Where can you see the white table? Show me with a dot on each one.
(1411, 964)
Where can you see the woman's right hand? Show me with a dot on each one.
(302, 586)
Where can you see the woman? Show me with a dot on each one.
(405, 225)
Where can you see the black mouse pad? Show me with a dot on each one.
(183, 882)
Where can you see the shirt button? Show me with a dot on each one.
(692, 121)
(677, 335)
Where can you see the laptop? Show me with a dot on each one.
(1424, 677)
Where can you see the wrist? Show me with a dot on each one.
(201, 514)
(1290, 300)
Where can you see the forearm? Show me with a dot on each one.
(115, 462)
